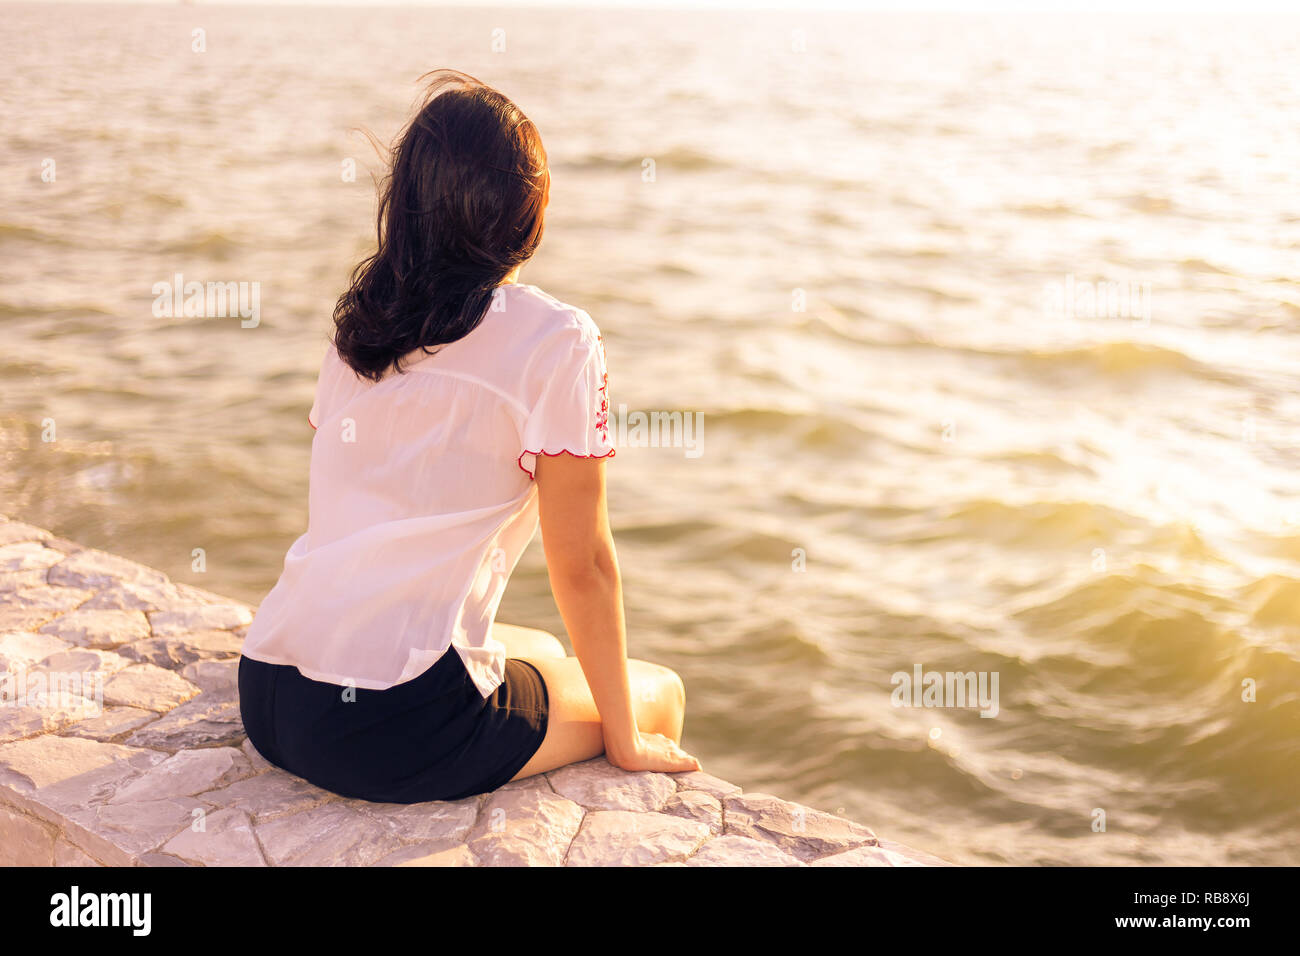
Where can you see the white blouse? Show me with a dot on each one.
(422, 499)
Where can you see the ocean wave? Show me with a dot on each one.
(1117, 359)
(1043, 460)
(813, 430)
(677, 158)
(1147, 203)
(1274, 601)
(1193, 264)
(1037, 524)
(649, 531)
(213, 244)
(1047, 210)
(12, 310)
(19, 233)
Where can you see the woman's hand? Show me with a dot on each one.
(653, 752)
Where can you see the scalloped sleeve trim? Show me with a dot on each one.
(553, 454)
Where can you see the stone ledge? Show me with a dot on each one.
(163, 775)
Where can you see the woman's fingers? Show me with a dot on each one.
(662, 754)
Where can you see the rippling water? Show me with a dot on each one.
(1100, 507)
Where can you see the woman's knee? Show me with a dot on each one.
(528, 642)
(661, 697)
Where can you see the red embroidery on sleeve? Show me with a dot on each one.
(602, 414)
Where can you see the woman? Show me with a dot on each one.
(455, 408)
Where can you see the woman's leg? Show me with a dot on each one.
(527, 642)
(573, 731)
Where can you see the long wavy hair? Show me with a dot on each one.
(461, 206)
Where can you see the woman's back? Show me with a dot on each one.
(422, 499)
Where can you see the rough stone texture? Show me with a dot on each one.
(99, 628)
(13, 532)
(699, 780)
(325, 836)
(185, 774)
(111, 724)
(908, 856)
(801, 831)
(21, 649)
(599, 785)
(202, 617)
(121, 744)
(47, 597)
(525, 827)
(628, 838)
(69, 854)
(733, 850)
(696, 805)
(99, 571)
(269, 795)
(218, 677)
(142, 595)
(177, 651)
(134, 829)
(29, 556)
(17, 722)
(11, 583)
(207, 720)
(416, 856)
(148, 687)
(43, 712)
(866, 856)
(28, 841)
(223, 838)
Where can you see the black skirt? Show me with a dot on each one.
(435, 737)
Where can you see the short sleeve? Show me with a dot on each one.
(572, 414)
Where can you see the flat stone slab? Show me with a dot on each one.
(696, 805)
(601, 786)
(802, 832)
(525, 827)
(14, 532)
(223, 838)
(174, 653)
(19, 650)
(98, 628)
(733, 850)
(200, 617)
(207, 720)
(629, 838)
(459, 855)
(121, 744)
(111, 723)
(29, 556)
(148, 687)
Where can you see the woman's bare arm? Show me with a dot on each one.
(583, 569)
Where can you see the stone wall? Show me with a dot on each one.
(163, 775)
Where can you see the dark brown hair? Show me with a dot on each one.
(461, 206)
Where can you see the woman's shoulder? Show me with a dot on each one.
(553, 318)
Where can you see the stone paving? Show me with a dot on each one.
(121, 745)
